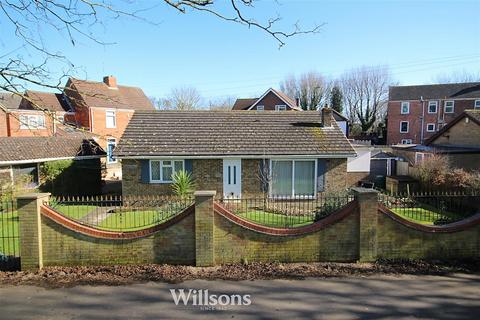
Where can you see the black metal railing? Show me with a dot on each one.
(9, 236)
(118, 213)
(435, 208)
(283, 212)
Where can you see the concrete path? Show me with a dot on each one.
(97, 215)
(404, 297)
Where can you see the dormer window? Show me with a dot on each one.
(260, 108)
(281, 107)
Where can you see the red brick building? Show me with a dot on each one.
(271, 100)
(415, 113)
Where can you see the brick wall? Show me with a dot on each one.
(336, 176)
(14, 125)
(269, 102)
(465, 133)
(414, 117)
(252, 178)
(354, 177)
(3, 123)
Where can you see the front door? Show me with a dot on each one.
(232, 178)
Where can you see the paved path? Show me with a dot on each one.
(97, 215)
(403, 297)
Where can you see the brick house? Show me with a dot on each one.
(271, 100)
(238, 154)
(415, 113)
(459, 141)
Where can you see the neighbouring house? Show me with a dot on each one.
(104, 109)
(21, 160)
(459, 141)
(239, 154)
(358, 167)
(416, 113)
(271, 100)
(342, 122)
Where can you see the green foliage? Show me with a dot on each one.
(336, 99)
(183, 184)
(52, 169)
(9, 190)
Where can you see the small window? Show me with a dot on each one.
(280, 107)
(404, 126)
(421, 156)
(260, 108)
(432, 106)
(162, 171)
(430, 127)
(477, 104)
(406, 141)
(405, 107)
(32, 122)
(111, 121)
(449, 106)
(111, 144)
(61, 119)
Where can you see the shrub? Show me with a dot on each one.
(432, 171)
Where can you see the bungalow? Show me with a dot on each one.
(239, 154)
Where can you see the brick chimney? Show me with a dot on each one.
(327, 116)
(110, 81)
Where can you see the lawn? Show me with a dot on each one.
(424, 216)
(276, 220)
(134, 220)
(9, 234)
(74, 211)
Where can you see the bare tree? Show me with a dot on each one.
(458, 77)
(220, 104)
(183, 98)
(311, 88)
(365, 91)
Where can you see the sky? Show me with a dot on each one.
(417, 40)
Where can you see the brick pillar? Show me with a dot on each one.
(28, 207)
(368, 204)
(204, 255)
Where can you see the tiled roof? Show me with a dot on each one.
(230, 133)
(98, 94)
(45, 101)
(435, 91)
(9, 100)
(474, 115)
(17, 149)
(243, 104)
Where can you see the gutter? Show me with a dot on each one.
(6, 163)
(285, 156)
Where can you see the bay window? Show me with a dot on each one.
(162, 171)
(293, 178)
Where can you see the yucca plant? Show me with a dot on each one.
(183, 184)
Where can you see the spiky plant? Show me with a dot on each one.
(183, 184)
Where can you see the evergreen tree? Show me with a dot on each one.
(336, 100)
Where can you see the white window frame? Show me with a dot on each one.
(114, 112)
(406, 103)
(280, 107)
(476, 105)
(260, 108)
(421, 156)
(431, 124)
(160, 161)
(408, 126)
(406, 141)
(32, 121)
(292, 195)
(109, 142)
(445, 106)
(433, 103)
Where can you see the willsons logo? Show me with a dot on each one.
(206, 301)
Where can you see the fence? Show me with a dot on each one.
(9, 236)
(285, 212)
(118, 213)
(436, 208)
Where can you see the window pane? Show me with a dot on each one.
(178, 166)
(281, 178)
(167, 163)
(304, 183)
(155, 167)
(167, 173)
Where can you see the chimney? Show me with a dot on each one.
(110, 81)
(297, 102)
(327, 116)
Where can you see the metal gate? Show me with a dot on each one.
(9, 236)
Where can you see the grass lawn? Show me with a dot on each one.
(9, 234)
(424, 216)
(134, 220)
(276, 220)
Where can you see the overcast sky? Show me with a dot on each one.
(417, 39)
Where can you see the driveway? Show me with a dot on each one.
(455, 296)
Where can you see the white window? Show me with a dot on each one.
(477, 104)
(32, 122)
(405, 107)
(430, 127)
(432, 106)
(407, 141)
(421, 156)
(260, 108)
(111, 119)
(111, 144)
(449, 106)
(293, 178)
(404, 126)
(280, 107)
(162, 171)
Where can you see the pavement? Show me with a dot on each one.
(455, 296)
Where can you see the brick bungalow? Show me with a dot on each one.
(237, 154)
